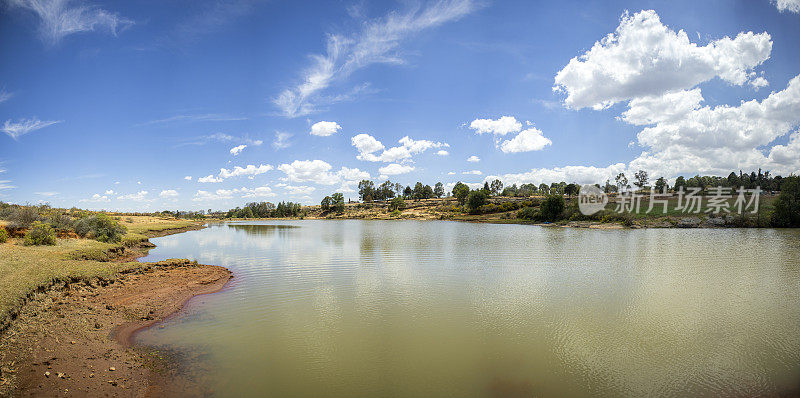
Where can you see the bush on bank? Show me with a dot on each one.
(40, 234)
(100, 227)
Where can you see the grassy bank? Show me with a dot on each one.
(26, 269)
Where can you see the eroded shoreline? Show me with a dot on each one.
(74, 338)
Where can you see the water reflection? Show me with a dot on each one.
(367, 308)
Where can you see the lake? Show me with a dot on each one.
(435, 308)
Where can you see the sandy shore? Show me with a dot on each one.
(75, 339)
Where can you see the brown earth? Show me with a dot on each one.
(74, 339)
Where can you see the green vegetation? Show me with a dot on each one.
(475, 200)
(266, 210)
(397, 204)
(787, 207)
(552, 208)
(101, 228)
(3, 234)
(40, 234)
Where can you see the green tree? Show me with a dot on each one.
(419, 191)
(571, 189)
(427, 192)
(438, 190)
(733, 180)
(408, 192)
(366, 190)
(337, 202)
(475, 200)
(460, 191)
(325, 205)
(622, 182)
(641, 179)
(496, 187)
(397, 204)
(544, 189)
(680, 182)
(552, 207)
(661, 185)
(786, 211)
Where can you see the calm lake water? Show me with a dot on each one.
(422, 309)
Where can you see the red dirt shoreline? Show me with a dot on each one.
(76, 338)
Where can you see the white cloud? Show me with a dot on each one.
(643, 57)
(665, 108)
(47, 194)
(258, 192)
(187, 178)
(216, 137)
(569, 174)
(136, 197)
(442, 153)
(367, 145)
(168, 194)
(281, 140)
(319, 172)
(502, 126)
(58, 18)
(5, 96)
(473, 172)
(110, 192)
(25, 126)
(451, 173)
(209, 179)
(249, 170)
(299, 190)
(96, 198)
(324, 129)
(377, 42)
(395, 169)
(526, 141)
(202, 196)
(238, 149)
(473, 159)
(788, 5)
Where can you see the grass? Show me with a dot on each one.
(25, 269)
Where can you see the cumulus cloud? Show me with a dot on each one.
(209, 179)
(238, 149)
(140, 196)
(367, 145)
(168, 194)
(110, 192)
(97, 198)
(442, 152)
(299, 190)
(377, 42)
(320, 172)
(324, 129)
(25, 126)
(788, 5)
(473, 159)
(187, 178)
(643, 57)
(203, 196)
(258, 192)
(526, 141)
(60, 18)
(473, 172)
(249, 170)
(502, 126)
(395, 169)
(577, 174)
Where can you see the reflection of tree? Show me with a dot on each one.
(262, 229)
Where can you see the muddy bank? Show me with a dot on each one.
(74, 339)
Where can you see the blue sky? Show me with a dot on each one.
(211, 104)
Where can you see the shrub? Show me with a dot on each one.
(62, 222)
(786, 211)
(528, 213)
(552, 207)
(395, 213)
(100, 227)
(40, 234)
(23, 216)
(397, 204)
(3, 235)
(475, 200)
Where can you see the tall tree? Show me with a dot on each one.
(641, 179)
(460, 191)
(366, 190)
(622, 182)
(497, 187)
(438, 190)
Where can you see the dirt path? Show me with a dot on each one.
(75, 340)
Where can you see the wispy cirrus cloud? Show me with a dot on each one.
(377, 42)
(61, 18)
(223, 138)
(25, 126)
(190, 118)
(5, 96)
